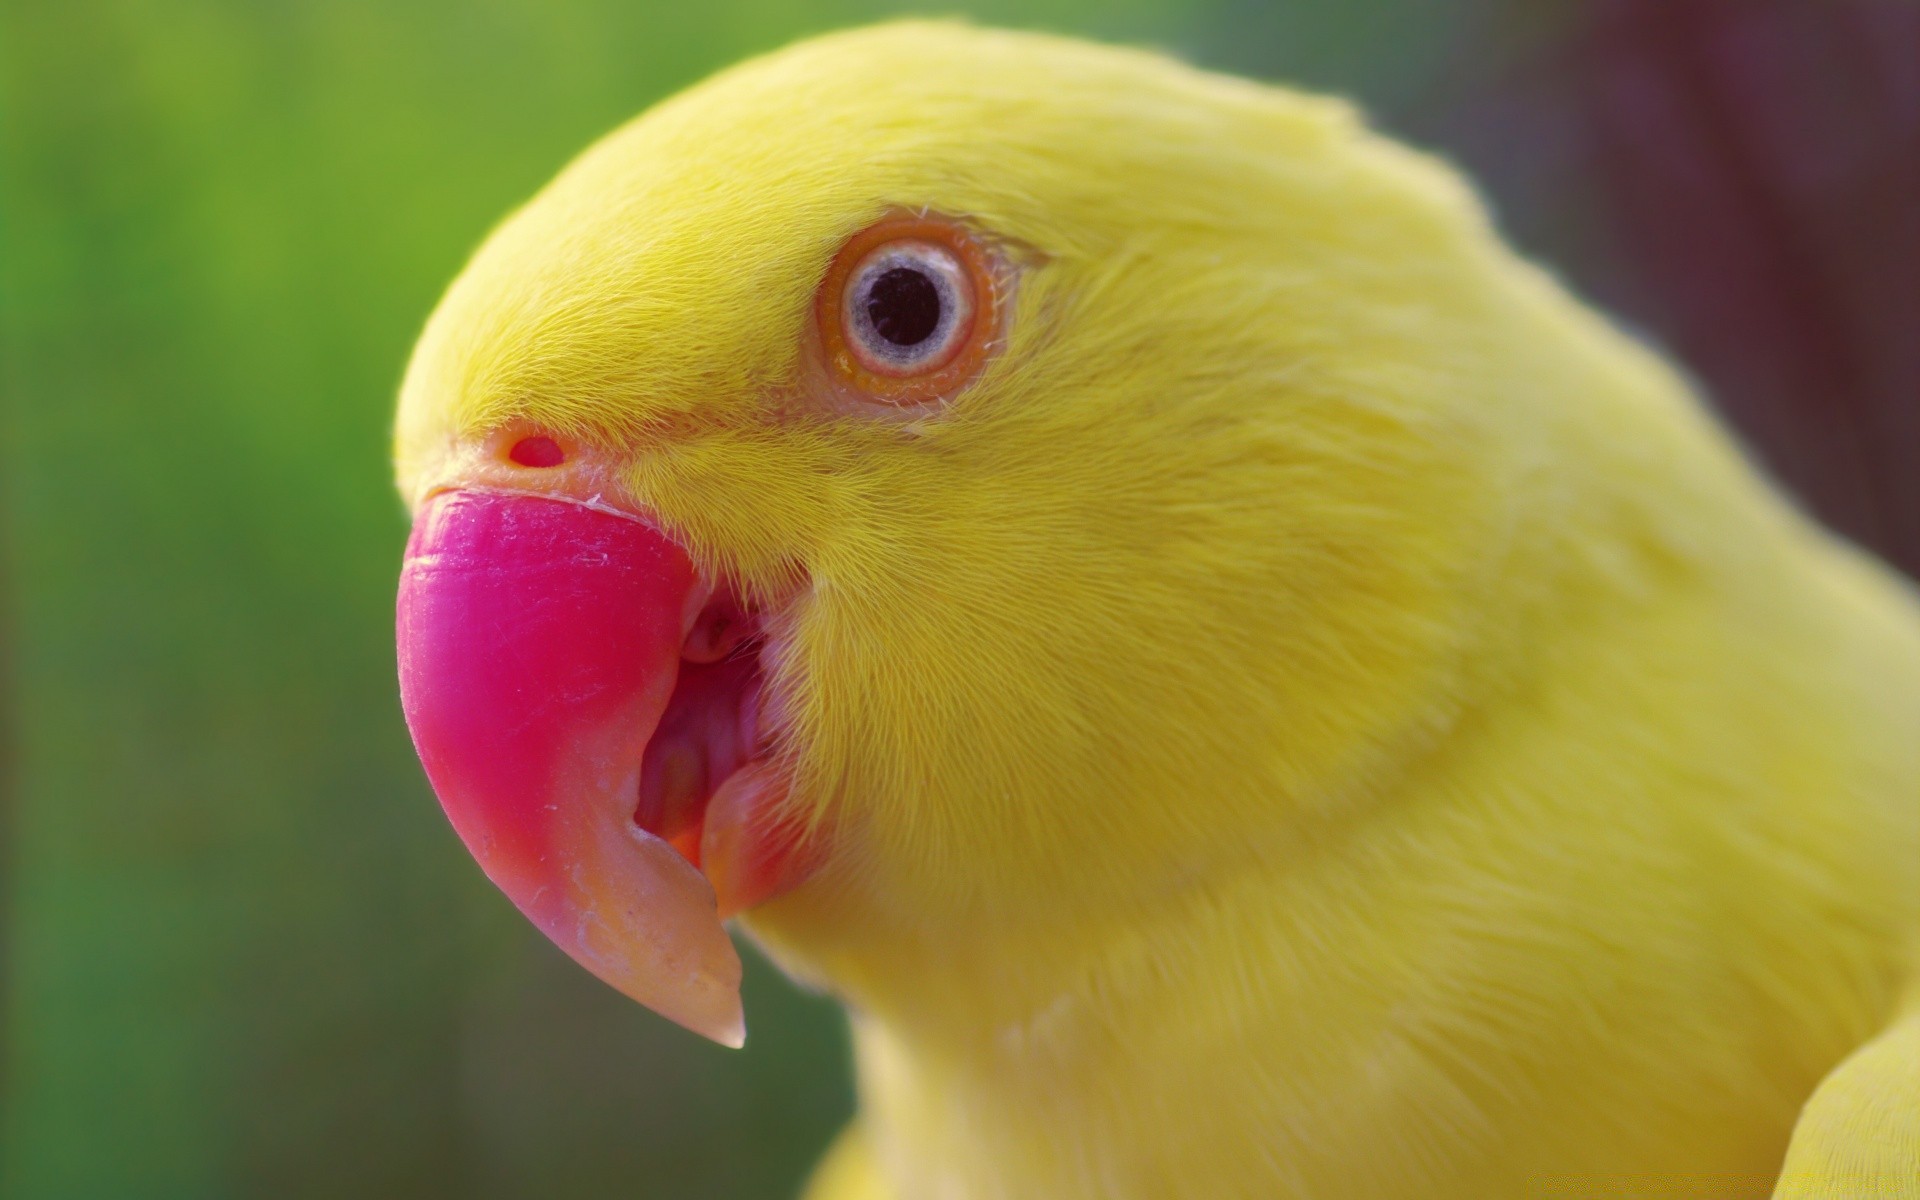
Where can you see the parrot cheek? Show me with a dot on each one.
(588, 764)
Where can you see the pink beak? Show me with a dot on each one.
(539, 643)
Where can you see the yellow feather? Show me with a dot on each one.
(1325, 714)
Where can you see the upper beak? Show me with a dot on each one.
(540, 642)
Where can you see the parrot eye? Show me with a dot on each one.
(909, 309)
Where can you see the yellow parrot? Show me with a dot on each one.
(1240, 684)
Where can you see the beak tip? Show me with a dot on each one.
(728, 1025)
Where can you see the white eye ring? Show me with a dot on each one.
(907, 308)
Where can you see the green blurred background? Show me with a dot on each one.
(243, 954)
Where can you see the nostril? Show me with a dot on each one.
(537, 452)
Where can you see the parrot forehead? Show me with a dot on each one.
(671, 264)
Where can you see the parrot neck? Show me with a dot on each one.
(1489, 928)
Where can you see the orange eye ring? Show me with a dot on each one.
(955, 266)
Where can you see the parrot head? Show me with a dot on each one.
(933, 490)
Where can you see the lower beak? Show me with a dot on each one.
(539, 644)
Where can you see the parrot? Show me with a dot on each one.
(1238, 682)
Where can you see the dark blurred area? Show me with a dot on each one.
(243, 955)
(1741, 180)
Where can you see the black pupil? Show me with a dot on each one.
(904, 306)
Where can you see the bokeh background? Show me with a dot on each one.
(243, 955)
